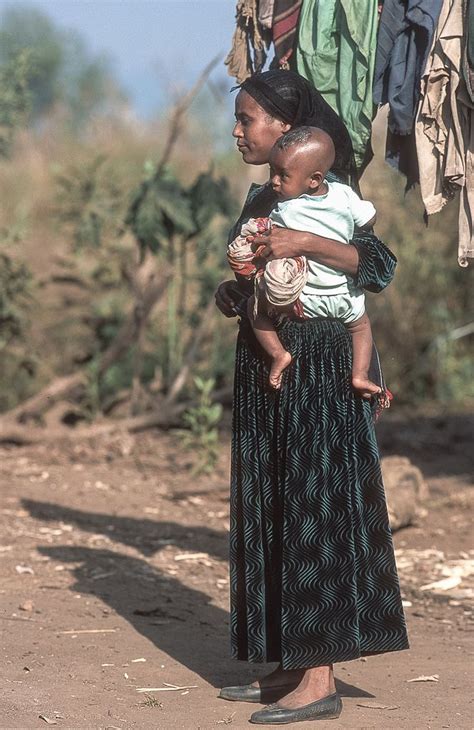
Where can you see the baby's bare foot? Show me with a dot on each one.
(365, 387)
(279, 364)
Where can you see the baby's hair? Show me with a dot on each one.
(299, 135)
(319, 143)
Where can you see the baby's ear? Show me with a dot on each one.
(316, 180)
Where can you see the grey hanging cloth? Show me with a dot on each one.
(248, 53)
(404, 41)
(468, 60)
(265, 13)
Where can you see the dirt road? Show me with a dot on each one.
(113, 562)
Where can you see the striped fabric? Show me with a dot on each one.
(313, 575)
(285, 22)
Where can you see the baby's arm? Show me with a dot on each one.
(363, 211)
(369, 225)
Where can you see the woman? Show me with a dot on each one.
(313, 576)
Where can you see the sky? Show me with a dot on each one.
(152, 45)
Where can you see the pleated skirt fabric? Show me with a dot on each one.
(313, 575)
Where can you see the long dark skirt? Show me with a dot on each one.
(313, 576)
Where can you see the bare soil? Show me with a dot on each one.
(114, 579)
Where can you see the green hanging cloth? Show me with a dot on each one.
(336, 53)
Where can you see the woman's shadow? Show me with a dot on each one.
(176, 618)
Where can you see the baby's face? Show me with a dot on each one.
(290, 172)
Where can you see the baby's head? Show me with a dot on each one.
(299, 161)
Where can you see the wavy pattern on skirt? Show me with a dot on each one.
(313, 575)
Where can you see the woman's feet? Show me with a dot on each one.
(265, 690)
(279, 364)
(295, 687)
(280, 678)
(314, 685)
(314, 698)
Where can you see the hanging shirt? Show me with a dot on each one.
(404, 40)
(444, 127)
(336, 52)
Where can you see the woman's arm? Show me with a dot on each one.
(368, 261)
(376, 262)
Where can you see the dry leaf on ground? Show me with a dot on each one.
(425, 678)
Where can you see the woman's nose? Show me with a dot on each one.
(237, 131)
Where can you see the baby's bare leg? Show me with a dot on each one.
(361, 333)
(268, 338)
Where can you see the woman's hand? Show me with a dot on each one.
(283, 242)
(227, 295)
(280, 243)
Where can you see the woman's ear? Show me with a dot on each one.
(285, 127)
(316, 180)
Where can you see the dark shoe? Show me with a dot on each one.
(249, 693)
(328, 708)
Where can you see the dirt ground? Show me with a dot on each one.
(114, 584)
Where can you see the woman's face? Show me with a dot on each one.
(255, 131)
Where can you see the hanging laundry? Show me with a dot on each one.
(265, 13)
(404, 40)
(286, 14)
(444, 127)
(336, 52)
(468, 62)
(403, 44)
(248, 53)
(466, 203)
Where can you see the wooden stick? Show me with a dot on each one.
(180, 109)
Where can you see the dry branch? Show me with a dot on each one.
(191, 354)
(59, 389)
(179, 111)
(142, 309)
(167, 417)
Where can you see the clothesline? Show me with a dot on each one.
(417, 56)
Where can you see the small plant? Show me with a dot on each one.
(151, 701)
(202, 420)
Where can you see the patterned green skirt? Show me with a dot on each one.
(313, 575)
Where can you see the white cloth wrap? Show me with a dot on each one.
(240, 250)
(284, 280)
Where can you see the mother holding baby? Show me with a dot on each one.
(313, 576)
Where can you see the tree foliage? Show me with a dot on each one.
(163, 208)
(15, 98)
(89, 202)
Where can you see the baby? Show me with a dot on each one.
(297, 287)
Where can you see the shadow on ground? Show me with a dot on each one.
(177, 619)
(146, 535)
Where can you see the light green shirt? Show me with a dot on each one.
(336, 53)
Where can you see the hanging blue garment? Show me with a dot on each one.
(404, 40)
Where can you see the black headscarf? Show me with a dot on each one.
(288, 96)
